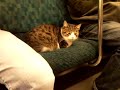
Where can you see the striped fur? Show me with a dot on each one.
(48, 37)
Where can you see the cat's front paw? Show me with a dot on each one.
(63, 44)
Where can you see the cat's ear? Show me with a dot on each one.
(78, 26)
(65, 24)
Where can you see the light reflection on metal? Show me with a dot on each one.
(100, 33)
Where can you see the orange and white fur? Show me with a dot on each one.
(48, 37)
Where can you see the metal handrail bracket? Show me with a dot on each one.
(100, 33)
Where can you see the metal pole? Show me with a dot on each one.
(100, 32)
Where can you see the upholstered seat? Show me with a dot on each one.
(21, 16)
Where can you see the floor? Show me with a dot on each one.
(85, 84)
(76, 80)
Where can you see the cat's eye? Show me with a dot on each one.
(64, 32)
(76, 34)
(68, 33)
(76, 31)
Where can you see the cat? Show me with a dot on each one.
(46, 37)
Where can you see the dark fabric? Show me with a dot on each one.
(23, 15)
(111, 33)
(110, 77)
(86, 11)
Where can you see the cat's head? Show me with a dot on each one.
(70, 32)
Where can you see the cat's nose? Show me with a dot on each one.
(72, 38)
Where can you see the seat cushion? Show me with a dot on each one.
(82, 51)
(23, 15)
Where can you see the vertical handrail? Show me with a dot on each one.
(100, 33)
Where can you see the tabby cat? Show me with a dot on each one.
(49, 37)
